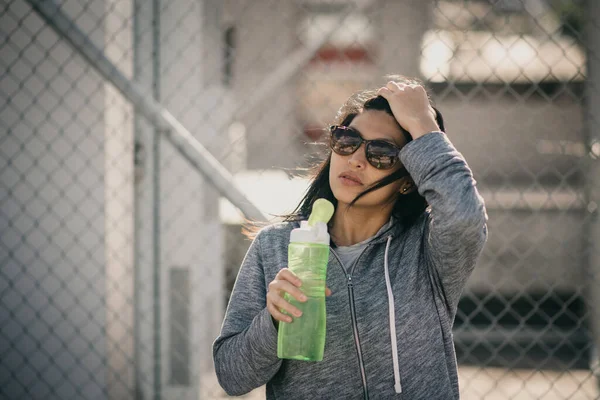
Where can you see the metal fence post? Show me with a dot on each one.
(156, 281)
(118, 141)
(147, 207)
(592, 121)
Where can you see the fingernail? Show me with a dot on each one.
(288, 319)
(302, 297)
(298, 313)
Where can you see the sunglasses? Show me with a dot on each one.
(380, 154)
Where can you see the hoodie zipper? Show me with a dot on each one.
(354, 323)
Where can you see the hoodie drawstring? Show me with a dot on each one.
(392, 319)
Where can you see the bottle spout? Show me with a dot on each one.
(322, 211)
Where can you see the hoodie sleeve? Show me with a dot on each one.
(456, 227)
(245, 353)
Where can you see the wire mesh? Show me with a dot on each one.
(118, 253)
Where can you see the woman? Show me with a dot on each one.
(408, 228)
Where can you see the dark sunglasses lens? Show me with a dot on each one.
(382, 155)
(344, 141)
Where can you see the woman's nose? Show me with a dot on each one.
(358, 159)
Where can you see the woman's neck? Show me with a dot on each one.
(354, 225)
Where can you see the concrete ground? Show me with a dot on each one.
(525, 384)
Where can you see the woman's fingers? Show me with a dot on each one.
(286, 274)
(395, 87)
(411, 108)
(398, 86)
(276, 314)
(292, 290)
(283, 305)
(384, 92)
(277, 306)
(285, 282)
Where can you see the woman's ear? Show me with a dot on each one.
(407, 186)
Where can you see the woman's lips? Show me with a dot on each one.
(348, 180)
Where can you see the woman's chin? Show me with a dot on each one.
(345, 195)
(345, 199)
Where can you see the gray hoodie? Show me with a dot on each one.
(389, 319)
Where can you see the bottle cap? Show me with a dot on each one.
(315, 229)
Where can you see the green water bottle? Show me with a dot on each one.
(308, 253)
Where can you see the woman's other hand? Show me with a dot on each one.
(411, 108)
(285, 282)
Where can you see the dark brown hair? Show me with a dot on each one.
(407, 208)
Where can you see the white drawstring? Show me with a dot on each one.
(392, 318)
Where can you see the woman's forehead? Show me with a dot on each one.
(375, 124)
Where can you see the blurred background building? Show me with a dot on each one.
(136, 135)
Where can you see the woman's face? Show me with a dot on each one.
(351, 175)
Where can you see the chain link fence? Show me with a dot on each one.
(135, 134)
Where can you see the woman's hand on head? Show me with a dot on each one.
(411, 108)
(285, 282)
